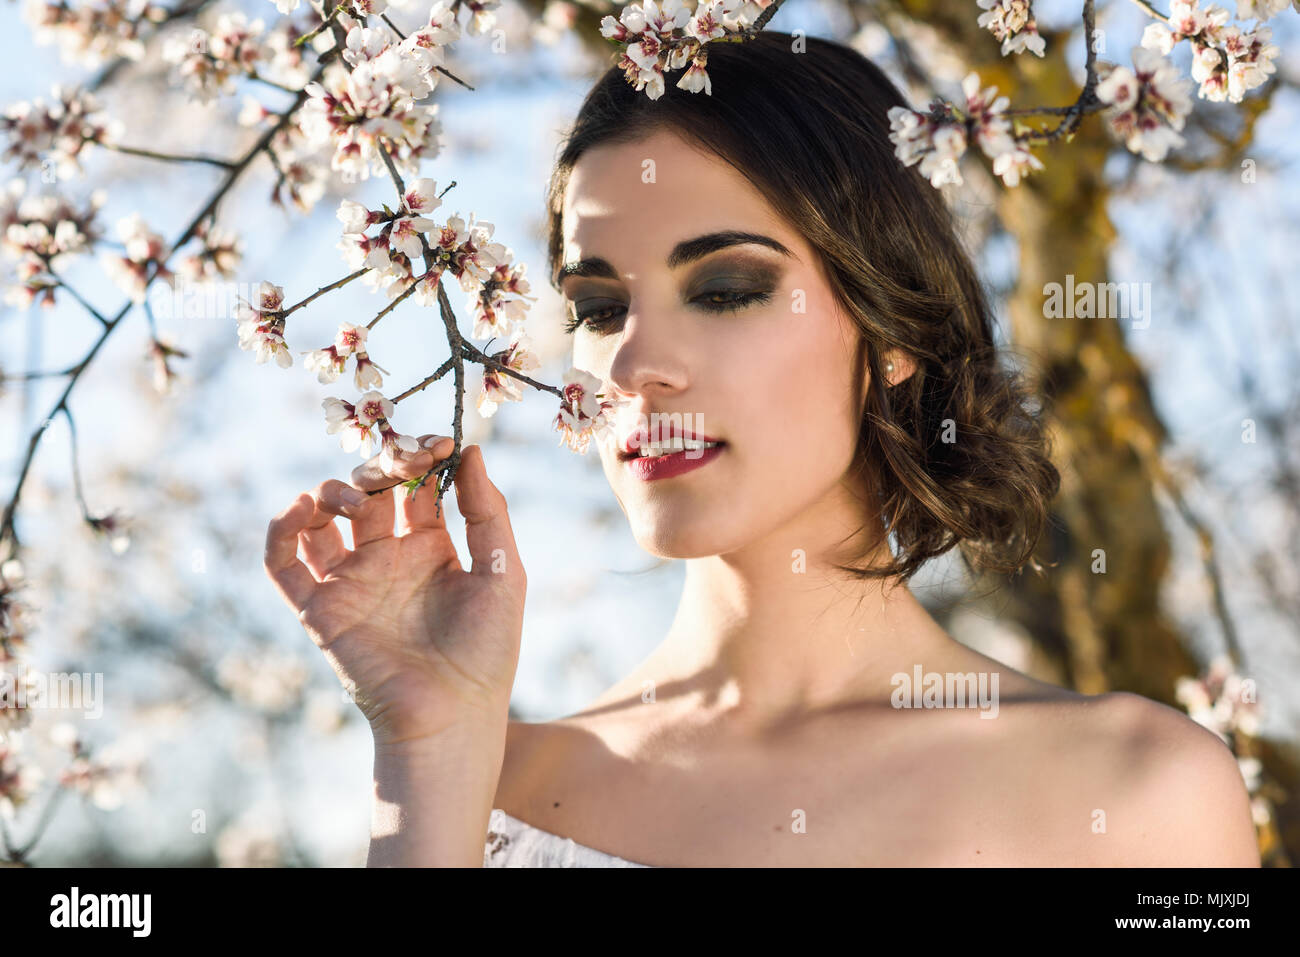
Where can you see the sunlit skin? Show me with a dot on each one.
(762, 729)
(771, 690)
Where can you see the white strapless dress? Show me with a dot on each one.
(514, 843)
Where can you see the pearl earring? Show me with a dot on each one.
(889, 368)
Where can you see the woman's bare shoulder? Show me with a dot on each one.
(1126, 781)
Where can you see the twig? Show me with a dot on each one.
(324, 289)
(168, 157)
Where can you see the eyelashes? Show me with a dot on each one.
(732, 300)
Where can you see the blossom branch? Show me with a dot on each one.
(339, 283)
(9, 541)
(168, 157)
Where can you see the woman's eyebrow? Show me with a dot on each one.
(687, 251)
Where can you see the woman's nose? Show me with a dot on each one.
(648, 356)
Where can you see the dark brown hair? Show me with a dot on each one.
(953, 454)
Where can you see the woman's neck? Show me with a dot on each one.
(771, 633)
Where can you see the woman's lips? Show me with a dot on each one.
(650, 467)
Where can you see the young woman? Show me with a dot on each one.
(759, 262)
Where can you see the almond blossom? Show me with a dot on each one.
(1263, 9)
(261, 327)
(57, 132)
(355, 112)
(40, 232)
(14, 612)
(355, 217)
(330, 362)
(494, 314)
(282, 60)
(499, 386)
(19, 694)
(939, 139)
(421, 197)
(163, 375)
(218, 257)
(115, 527)
(1217, 700)
(1012, 22)
(1145, 105)
(104, 778)
(19, 779)
(584, 411)
(665, 36)
(375, 102)
(303, 165)
(208, 63)
(1227, 61)
(92, 32)
(485, 17)
(358, 424)
(144, 249)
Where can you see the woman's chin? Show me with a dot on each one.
(684, 536)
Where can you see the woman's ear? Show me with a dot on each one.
(897, 366)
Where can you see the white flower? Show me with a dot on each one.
(422, 196)
(406, 233)
(1147, 104)
(372, 407)
(985, 122)
(1263, 9)
(261, 328)
(696, 79)
(326, 363)
(583, 414)
(340, 417)
(1014, 164)
(1012, 22)
(354, 216)
(367, 373)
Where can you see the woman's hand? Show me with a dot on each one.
(422, 644)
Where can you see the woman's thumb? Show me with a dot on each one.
(487, 524)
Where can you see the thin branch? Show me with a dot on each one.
(271, 83)
(338, 283)
(61, 284)
(392, 305)
(1152, 10)
(169, 157)
(476, 355)
(425, 383)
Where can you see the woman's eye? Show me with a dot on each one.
(592, 317)
(722, 299)
(718, 300)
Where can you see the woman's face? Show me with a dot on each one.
(770, 376)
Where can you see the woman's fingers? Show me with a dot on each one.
(322, 543)
(487, 525)
(421, 511)
(372, 520)
(370, 475)
(292, 579)
(310, 513)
